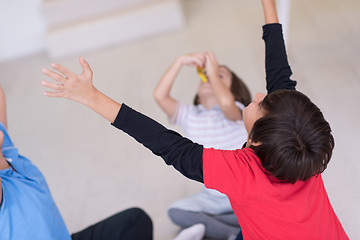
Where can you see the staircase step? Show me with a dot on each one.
(63, 12)
(143, 21)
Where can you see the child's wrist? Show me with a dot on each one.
(93, 98)
(179, 61)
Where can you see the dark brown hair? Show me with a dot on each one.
(295, 141)
(238, 89)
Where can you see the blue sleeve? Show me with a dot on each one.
(277, 68)
(176, 150)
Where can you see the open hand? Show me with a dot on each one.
(78, 88)
(211, 66)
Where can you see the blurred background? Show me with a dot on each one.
(94, 170)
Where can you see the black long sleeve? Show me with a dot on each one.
(277, 68)
(181, 152)
(176, 150)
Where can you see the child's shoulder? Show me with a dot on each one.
(249, 158)
(247, 152)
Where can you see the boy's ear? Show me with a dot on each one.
(256, 144)
(251, 143)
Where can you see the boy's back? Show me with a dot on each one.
(268, 208)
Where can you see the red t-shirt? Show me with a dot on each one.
(267, 208)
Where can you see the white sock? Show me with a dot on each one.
(195, 232)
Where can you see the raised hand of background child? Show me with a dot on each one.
(211, 66)
(193, 59)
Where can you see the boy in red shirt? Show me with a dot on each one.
(274, 183)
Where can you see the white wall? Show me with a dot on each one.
(23, 24)
(21, 28)
(284, 11)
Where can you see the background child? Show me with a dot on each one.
(215, 120)
(274, 184)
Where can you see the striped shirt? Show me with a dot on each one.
(210, 127)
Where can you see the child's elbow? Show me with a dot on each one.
(156, 95)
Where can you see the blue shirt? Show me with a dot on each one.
(27, 210)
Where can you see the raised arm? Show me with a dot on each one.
(270, 12)
(162, 91)
(277, 68)
(184, 155)
(223, 95)
(180, 152)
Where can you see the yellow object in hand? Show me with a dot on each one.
(200, 71)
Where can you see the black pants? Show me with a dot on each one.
(131, 224)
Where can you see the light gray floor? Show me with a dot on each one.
(95, 170)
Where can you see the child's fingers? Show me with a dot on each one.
(202, 57)
(208, 53)
(199, 60)
(210, 56)
(53, 75)
(53, 94)
(196, 58)
(194, 62)
(208, 61)
(211, 59)
(85, 66)
(54, 86)
(66, 72)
